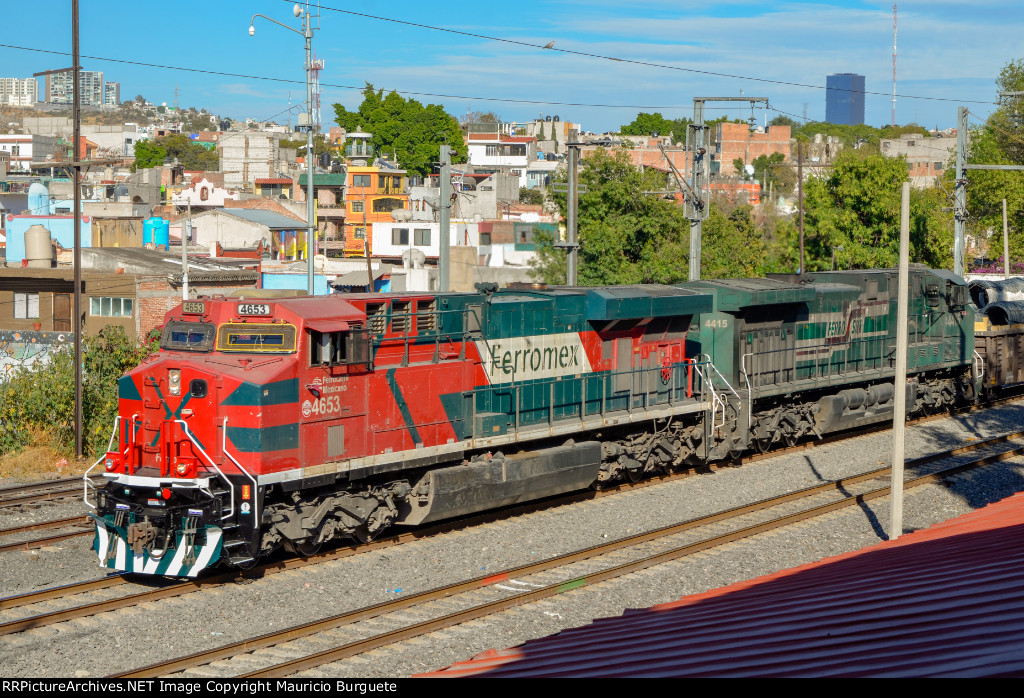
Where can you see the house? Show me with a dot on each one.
(926, 158)
(739, 141)
(284, 235)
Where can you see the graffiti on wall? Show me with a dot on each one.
(29, 350)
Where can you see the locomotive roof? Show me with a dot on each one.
(733, 294)
(604, 303)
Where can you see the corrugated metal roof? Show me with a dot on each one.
(274, 221)
(943, 601)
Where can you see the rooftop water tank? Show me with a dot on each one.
(157, 232)
(38, 200)
(38, 249)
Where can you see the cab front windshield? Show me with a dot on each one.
(187, 336)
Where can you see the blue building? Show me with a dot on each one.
(844, 99)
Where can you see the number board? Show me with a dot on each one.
(254, 309)
(193, 307)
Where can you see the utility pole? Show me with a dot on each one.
(77, 170)
(800, 197)
(1006, 245)
(571, 252)
(186, 233)
(899, 416)
(697, 143)
(444, 262)
(960, 195)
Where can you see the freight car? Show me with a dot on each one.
(267, 423)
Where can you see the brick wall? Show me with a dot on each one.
(736, 141)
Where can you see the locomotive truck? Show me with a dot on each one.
(268, 423)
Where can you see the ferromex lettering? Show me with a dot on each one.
(529, 358)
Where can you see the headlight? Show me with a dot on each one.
(109, 464)
(174, 378)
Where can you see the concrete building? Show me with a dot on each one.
(24, 149)
(246, 156)
(112, 94)
(844, 99)
(391, 240)
(60, 88)
(497, 152)
(927, 158)
(246, 228)
(15, 92)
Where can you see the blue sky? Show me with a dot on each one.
(949, 53)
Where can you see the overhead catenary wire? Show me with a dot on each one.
(551, 47)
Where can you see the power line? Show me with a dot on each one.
(551, 47)
(347, 87)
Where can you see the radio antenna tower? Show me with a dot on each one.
(894, 64)
(318, 65)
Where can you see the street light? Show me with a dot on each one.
(307, 33)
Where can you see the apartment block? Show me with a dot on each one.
(15, 92)
(60, 88)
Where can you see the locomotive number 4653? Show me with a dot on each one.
(325, 405)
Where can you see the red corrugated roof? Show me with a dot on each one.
(943, 601)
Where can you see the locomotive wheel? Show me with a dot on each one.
(762, 444)
(305, 548)
(634, 474)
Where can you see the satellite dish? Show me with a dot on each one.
(749, 170)
(530, 217)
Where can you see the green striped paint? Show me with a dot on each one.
(261, 440)
(127, 390)
(403, 406)
(248, 394)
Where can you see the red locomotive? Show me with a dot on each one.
(264, 423)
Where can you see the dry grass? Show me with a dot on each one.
(40, 461)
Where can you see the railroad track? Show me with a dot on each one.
(116, 599)
(38, 491)
(429, 611)
(517, 510)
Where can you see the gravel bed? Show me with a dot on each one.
(134, 637)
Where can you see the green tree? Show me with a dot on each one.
(853, 213)
(645, 124)
(626, 235)
(731, 245)
(148, 153)
(411, 131)
(42, 400)
(190, 154)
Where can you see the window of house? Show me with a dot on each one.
(386, 205)
(357, 207)
(400, 236)
(359, 233)
(938, 166)
(361, 180)
(106, 306)
(26, 306)
(485, 238)
(422, 237)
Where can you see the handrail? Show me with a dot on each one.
(87, 482)
(224, 450)
(979, 365)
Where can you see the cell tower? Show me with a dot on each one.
(894, 64)
(317, 66)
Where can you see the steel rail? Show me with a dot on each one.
(347, 618)
(397, 539)
(358, 647)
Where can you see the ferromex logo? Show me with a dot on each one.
(530, 358)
